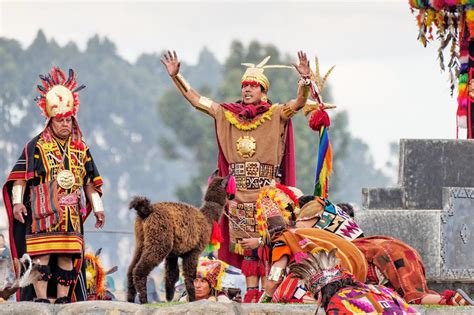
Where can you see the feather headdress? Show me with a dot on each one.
(318, 270)
(59, 97)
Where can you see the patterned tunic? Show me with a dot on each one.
(45, 235)
(53, 225)
(368, 299)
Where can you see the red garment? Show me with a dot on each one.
(247, 111)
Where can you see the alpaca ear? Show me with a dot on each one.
(225, 181)
(213, 175)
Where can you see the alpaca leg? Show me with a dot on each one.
(156, 248)
(171, 276)
(142, 269)
(131, 290)
(190, 261)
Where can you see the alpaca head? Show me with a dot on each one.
(220, 188)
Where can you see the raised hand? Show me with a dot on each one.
(171, 62)
(303, 66)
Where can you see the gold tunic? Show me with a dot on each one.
(254, 156)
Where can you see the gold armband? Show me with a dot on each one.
(97, 205)
(288, 111)
(17, 194)
(275, 274)
(182, 84)
(205, 102)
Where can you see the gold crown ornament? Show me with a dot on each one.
(254, 73)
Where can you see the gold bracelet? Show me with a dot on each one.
(182, 84)
(275, 274)
(17, 194)
(205, 102)
(97, 205)
(288, 111)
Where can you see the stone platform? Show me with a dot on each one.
(195, 308)
(432, 209)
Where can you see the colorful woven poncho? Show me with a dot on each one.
(368, 299)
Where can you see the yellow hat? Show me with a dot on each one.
(254, 73)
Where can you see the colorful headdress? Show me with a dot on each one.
(95, 276)
(212, 270)
(275, 200)
(318, 270)
(59, 97)
(254, 73)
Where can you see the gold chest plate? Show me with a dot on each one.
(246, 146)
(66, 179)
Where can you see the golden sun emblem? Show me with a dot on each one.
(66, 179)
(246, 146)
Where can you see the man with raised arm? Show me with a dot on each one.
(255, 143)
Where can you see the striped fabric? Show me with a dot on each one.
(54, 243)
(44, 206)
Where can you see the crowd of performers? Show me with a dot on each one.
(270, 226)
(291, 248)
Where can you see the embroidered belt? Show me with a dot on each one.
(253, 175)
(71, 199)
(243, 216)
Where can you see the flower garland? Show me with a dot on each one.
(243, 125)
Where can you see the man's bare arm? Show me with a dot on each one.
(303, 86)
(172, 64)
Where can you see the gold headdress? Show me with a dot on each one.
(254, 73)
(59, 96)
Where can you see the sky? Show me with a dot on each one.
(389, 83)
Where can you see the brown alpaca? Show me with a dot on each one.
(171, 230)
